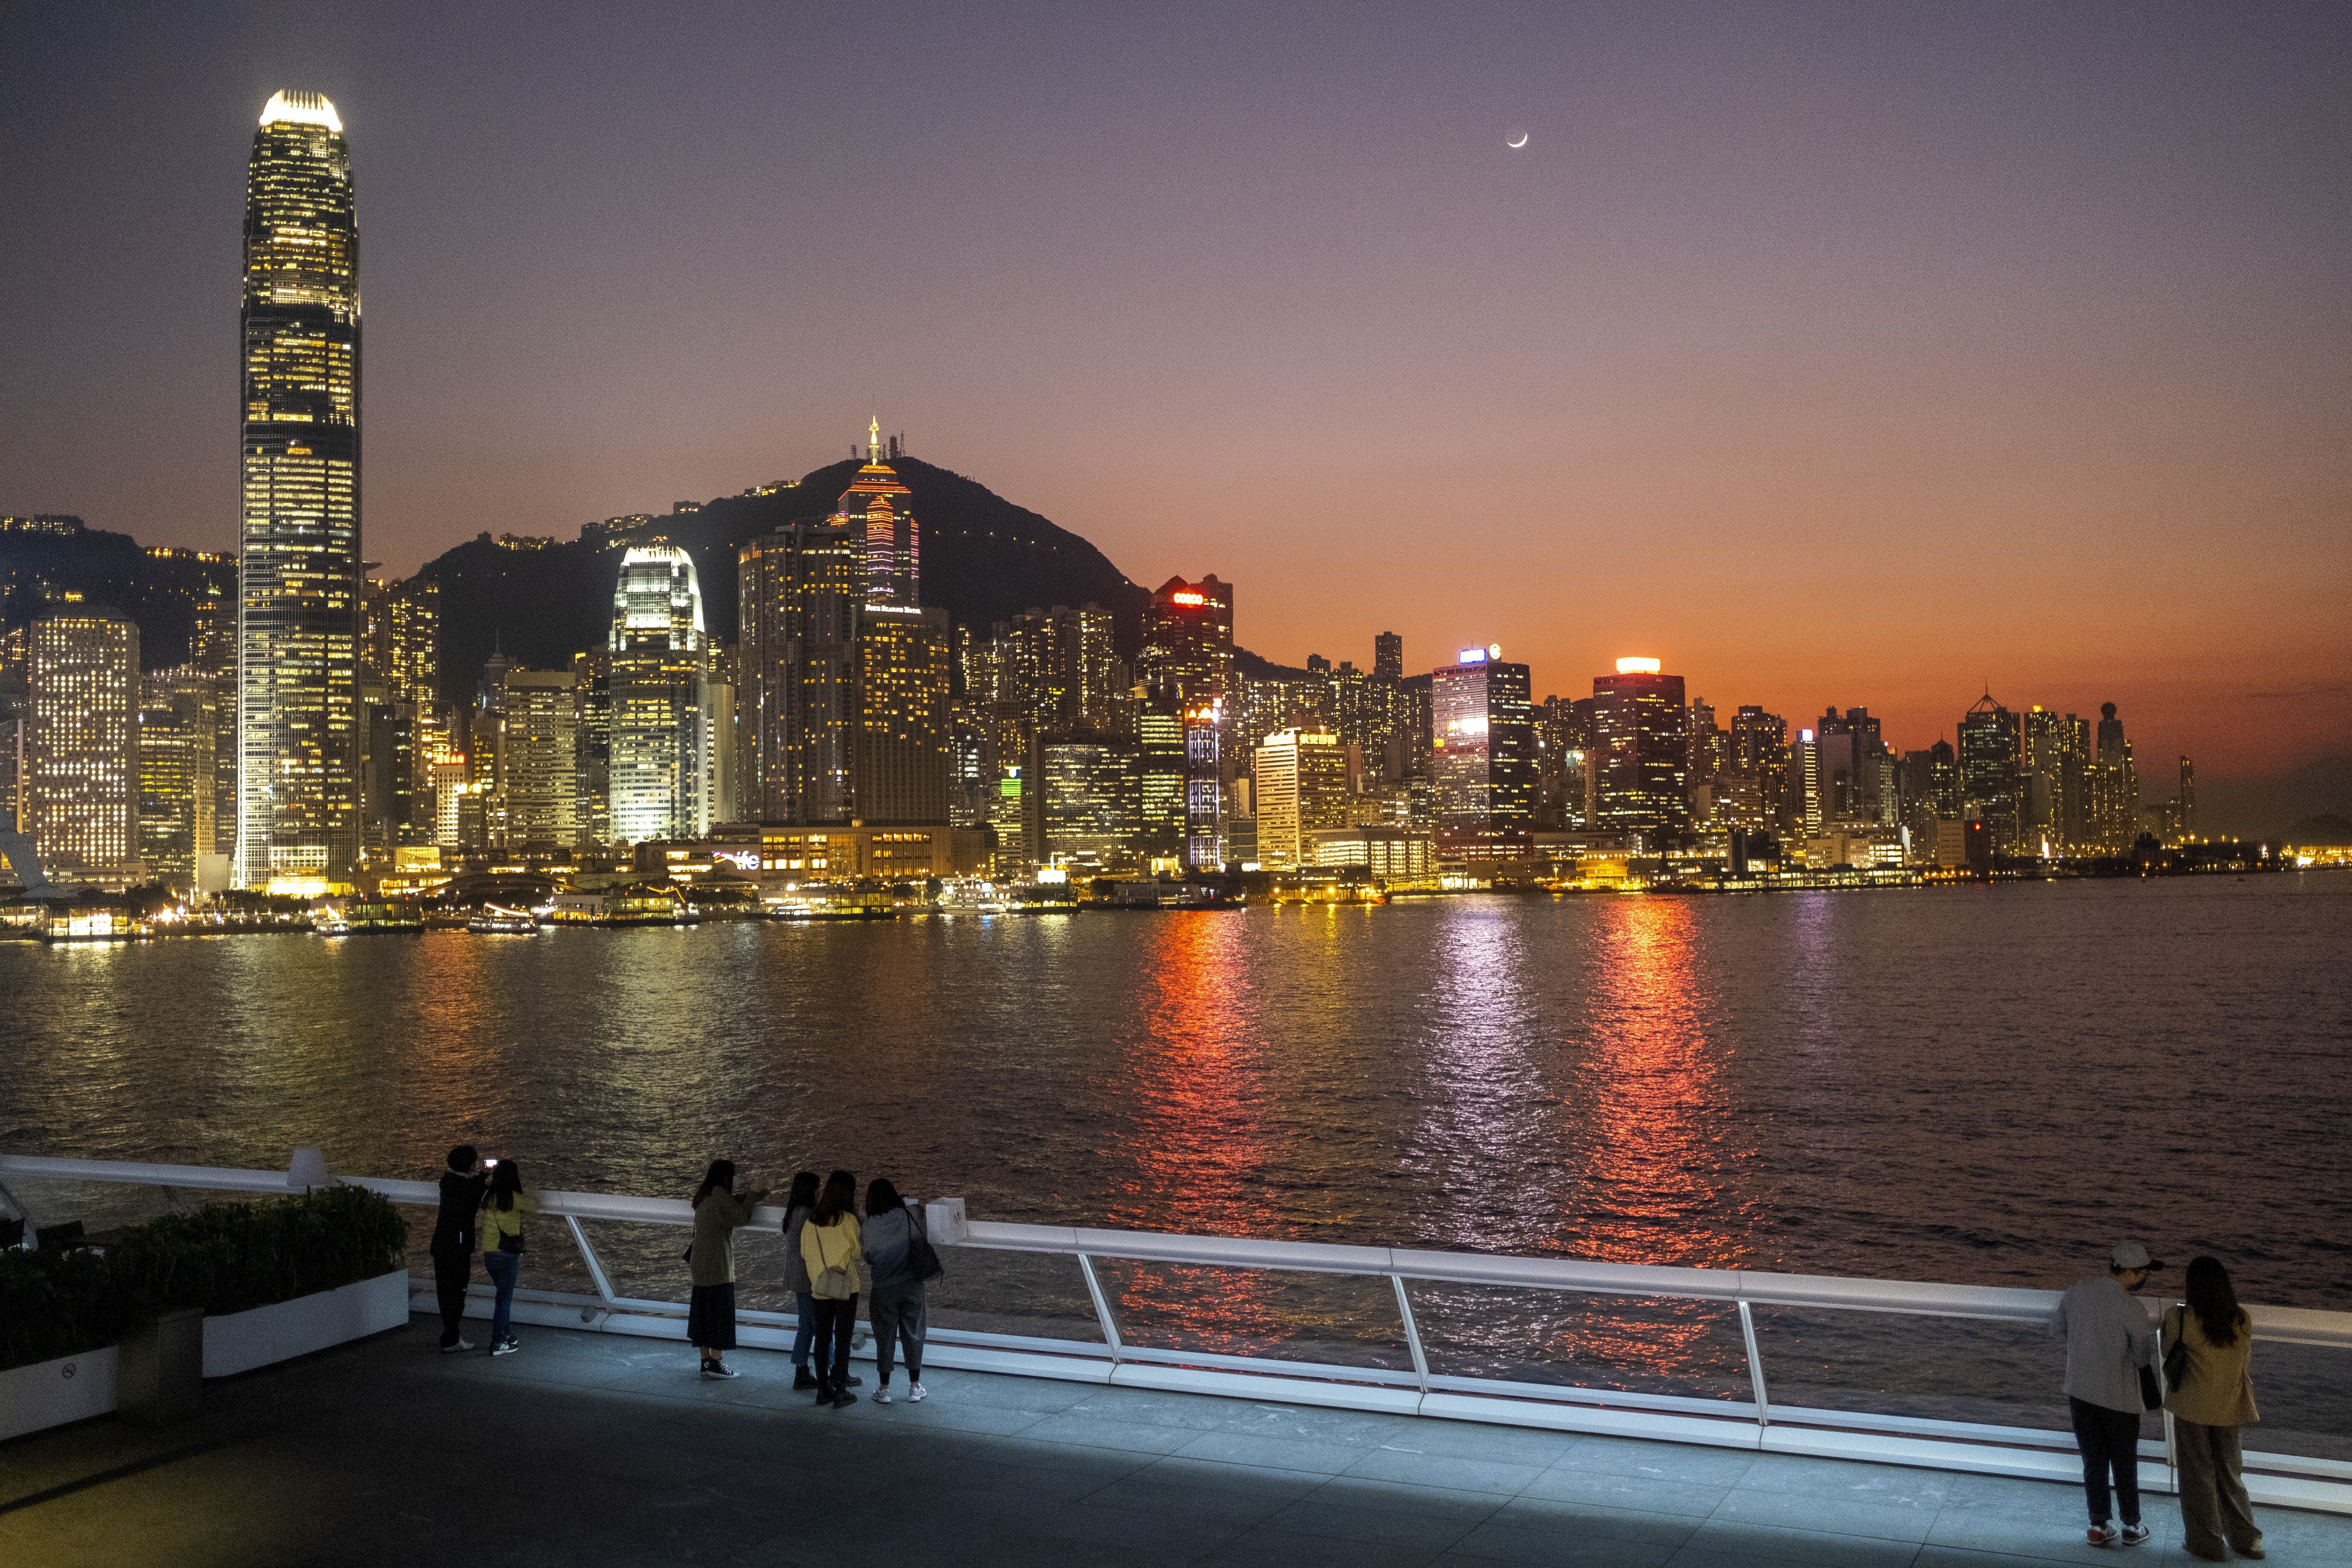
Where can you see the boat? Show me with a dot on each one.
(493, 920)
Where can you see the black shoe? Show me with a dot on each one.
(803, 1378)
(844, 1397)
(824, 1394)
(852, 1381)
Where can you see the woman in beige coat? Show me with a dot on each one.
(2216, 1397)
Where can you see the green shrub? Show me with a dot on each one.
(224, 1258)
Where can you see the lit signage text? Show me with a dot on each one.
(1188, 597)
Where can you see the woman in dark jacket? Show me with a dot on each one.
(719, 1213)
(796, 1274)
(895, 1302)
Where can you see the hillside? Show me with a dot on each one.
(161, 591)
(985, 560)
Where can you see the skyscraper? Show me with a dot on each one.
(799, 590)
(179, 714)
(1482, 764)
(81, 785)
(1300, 788)
(541, 771)
(1640, 761)
(2114, 787)
(659, 778)
(298, 721)
(401, 635)
(1188, 642)
(1988, 769)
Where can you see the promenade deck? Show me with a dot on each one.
(597, 1449)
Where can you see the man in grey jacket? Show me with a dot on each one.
(2108, 1339)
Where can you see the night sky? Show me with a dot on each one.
(1858, 353)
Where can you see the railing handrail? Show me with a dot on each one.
(2298, 1325)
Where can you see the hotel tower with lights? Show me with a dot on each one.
(297, 737)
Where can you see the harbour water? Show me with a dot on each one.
(1976, 1085)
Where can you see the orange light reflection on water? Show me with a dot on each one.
(1196, 1148)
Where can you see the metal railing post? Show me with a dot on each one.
(1412, 1332)
(1102, 1307)
(588, 1255)
(1755, 1365)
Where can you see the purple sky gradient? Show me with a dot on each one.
(1853, 353)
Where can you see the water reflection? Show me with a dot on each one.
(1195, 1150)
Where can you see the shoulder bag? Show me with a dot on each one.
(922, 1259)
(2176, 1355)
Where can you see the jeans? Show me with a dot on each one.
(2109, 1439)
(807, 1329)
(835, 1321)
(450, 1272)
(2213, 1505)
(896, 1313)
(502, 1267)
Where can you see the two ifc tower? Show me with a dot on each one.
(299, 721)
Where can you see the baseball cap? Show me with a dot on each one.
(2132, 1255)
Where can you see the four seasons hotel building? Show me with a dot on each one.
(297, 809)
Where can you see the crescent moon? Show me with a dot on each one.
(1519, 141)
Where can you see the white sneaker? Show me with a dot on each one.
(2102, 1535)
(882, 1394)
(460, 1345)
(916, 1394)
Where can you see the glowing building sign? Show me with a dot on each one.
(1472, 656)
(1637, 666)
(1188, 598)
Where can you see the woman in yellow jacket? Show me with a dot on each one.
(830, 1247)
(503, 1206)
(2216, 1397)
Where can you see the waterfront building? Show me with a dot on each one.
(1188, 643)
(395, 776)
(81, 764)
(593, 672)
(1207, 784)
(299, 569)
(1988, 769)
(1482, 760)
(15, 725)
(1159, 772)
(1840, 773)
(400, 637)
(540, 770)
(1928, 786)
(1640, 756)
(899, 748)
(1393, 854)
(1087, 802)
(1298, 786)
(799, 592)
(659, 783)
(2052, 794)
(2114, 788)
(179, 724)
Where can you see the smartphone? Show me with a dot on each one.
(489, 1161)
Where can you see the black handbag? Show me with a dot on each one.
(511, 1241)
(922, 1258)
(2176, 1357)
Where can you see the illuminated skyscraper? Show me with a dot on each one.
(1482, 764)
(2053, 785)
(179, 715)
(1188, 642)
(659, 778)
(2114, 787)
(81, 782)
(541, 769)
(898, 746)
(298, 742)
(401, 635)
(1988, 773)
(1640, 761)
(1299, 782)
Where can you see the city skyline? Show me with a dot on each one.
(1587, 538)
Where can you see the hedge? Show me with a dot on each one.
(225, 1257)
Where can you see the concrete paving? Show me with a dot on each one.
(593, 1449)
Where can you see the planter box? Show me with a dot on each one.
(243, 1340)
(52, 1392)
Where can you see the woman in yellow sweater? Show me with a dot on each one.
(830, 1247)
(2216, 1397)
(503, 1206)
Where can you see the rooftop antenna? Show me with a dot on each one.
(874, 439)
